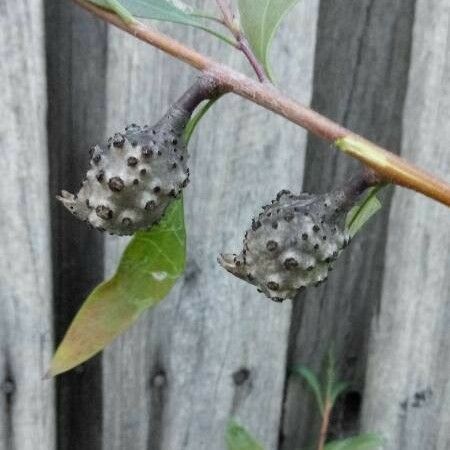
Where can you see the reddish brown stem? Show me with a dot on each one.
(387, 165)
(324, 426)
(244, 47)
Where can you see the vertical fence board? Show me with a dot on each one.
(215, 348)
(408, 390)
(76, 64)
(26, 400)
(362, 59)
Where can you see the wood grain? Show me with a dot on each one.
(407, 396)
(214, 348)
(76, 67)
(360, 81)
(26, 400)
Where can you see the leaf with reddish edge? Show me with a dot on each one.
(151, 264)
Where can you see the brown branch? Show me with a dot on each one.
(387, 165)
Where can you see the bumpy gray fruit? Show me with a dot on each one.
(132, 180)
(292, 244)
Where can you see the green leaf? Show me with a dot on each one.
(202, 110)
(337, 389)
(362, 442)
(363, 211)
(330, 374)
(313, 384)
(333, 387)
(163, 10)
(238, 438)
(174, 11)
(151, 264)
(260, 20)
(122, 12)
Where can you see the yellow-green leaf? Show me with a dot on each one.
(151, 264)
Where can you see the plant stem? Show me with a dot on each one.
(363, 180)
(204, 88)
(241, 40)
(349, 193)
(244, 47)
(324, 426)
(387, 165)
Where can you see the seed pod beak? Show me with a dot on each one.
(73, 204)
(67, 199)
(228, 262)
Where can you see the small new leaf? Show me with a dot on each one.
(363, 211)
(260, 20)
(362, 442)
(238, 438)
(336, 390)
(151, 264)
(313, 383)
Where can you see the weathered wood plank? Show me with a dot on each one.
(26, 400)
(214, 348)
(362, 59)
(76, 65)
(408, 390)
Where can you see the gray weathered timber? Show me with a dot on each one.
(215, 348)
(362, 59)
(76, 65)
(407, 397)
(26, 400)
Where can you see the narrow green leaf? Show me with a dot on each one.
(330, 374)
(333, 387)
(337, 389)
(313, 384)
(202, 110)
(151, 264)
(362, 442)
(260, 20)
(363, 211)
(164, 10)
(122, 12)
(238, 438)
(174, 11)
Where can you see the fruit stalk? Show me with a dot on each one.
(351, 191)
(204, 88)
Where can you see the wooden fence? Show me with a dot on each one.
(216, 349)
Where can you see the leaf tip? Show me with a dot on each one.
(58, 366)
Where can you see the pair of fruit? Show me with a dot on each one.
(291, 245)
